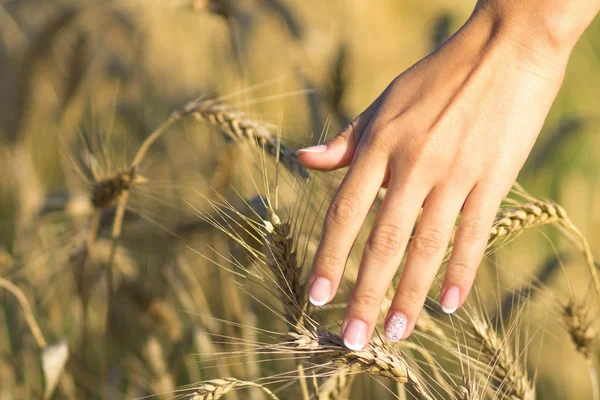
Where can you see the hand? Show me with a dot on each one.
(449, 135)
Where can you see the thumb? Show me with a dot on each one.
(339, 151)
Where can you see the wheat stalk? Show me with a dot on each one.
(506, 369)
(27, 312)
(230, 122)
(376, 358)
(217, 388)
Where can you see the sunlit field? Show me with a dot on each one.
(157, 228)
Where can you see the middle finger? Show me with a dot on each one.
(381, 257)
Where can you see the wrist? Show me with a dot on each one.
(550, 28)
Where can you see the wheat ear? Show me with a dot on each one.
(217, 388)
(581, 328)
(237, 126)
(516, 216)
(106, 192)
(377, 358)
(557, 214)
(524, 215)
(506, 369)
(283, 263)
(584, 335)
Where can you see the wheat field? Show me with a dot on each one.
(157, 229)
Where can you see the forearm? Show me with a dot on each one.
(555, 24)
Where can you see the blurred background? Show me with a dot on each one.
(83, 83)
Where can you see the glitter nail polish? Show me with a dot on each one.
(395, 327)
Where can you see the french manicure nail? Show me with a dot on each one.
(355, 335)
(319, 291)
(395, 326)
(450, 300)
(321, 148)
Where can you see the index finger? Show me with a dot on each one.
(343, 220)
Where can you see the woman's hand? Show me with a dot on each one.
(449, 134)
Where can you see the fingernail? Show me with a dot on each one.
(321, 148)
(395, 326)
(319, 291)
(355, 335)
(450, 300)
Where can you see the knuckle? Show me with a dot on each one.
(428, 241)
(410, 297)
(461, 271)
(343, 210)
(385, 241)
(366, 300)
(472, 231)
(382, 137)
(466, 173)
(416, 167)
(377, 147)
(382, 131)
(413, 158)
(422, 150)
(327, 261)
